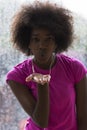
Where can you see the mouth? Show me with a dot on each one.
(42, 53)
(42, 58)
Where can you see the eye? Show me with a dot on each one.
(49, 39)
(35, 39)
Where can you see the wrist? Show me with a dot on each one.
(43, 85)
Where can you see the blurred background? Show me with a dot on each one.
(11, 112)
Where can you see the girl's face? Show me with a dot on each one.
(42, 45)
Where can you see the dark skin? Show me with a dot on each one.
(81, 105)
(42, 41)
(42, 45)
(34, 108)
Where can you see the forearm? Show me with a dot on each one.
(82, 123)
(83, 127)
(41, 112)
(81, 104)
(82, 119)
(38, 110)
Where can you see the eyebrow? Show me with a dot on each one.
(36, 34)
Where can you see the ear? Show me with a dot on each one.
(55, 47)
(29, 46)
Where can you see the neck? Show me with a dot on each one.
(47, 65)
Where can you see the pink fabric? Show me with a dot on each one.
(64, 75)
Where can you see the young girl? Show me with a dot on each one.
(50, 86)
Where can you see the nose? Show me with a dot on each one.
(42, 48)
(42, 52)
(42, 44)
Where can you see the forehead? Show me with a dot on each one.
(41, 31)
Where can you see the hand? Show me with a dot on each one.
(38, 78)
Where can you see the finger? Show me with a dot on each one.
(46, 78)
(43, 80)
(29, 78)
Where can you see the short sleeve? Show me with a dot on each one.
(18, 74)
(79, 70)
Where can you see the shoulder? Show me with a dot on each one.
(70, 60)
(24, 64)
(72, 66)
(22, 67)
(20, 71)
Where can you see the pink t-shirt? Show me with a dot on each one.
(64, 75)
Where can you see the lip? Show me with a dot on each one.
(42, 54)
(42, 57)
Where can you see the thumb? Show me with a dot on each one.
(29, 78)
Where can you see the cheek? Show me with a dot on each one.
(35, 52)
(53, 48)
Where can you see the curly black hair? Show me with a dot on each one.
(46, 15)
